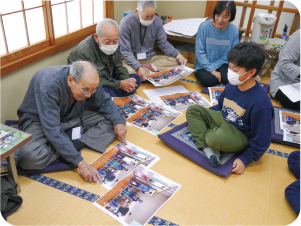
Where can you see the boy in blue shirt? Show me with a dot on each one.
(241, 121)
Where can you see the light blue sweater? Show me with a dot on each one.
(212, 45)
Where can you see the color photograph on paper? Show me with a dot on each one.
(130, 105)
(168, 76)
(181, 101)
(135, 199)
(121, 160)
(10, 138)
(290, 124)
(291, 136)
(215, 93)
(153, 118)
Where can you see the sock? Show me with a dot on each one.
(76, 143)
(213, 156)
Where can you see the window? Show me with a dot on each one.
(286, 13)
(33, 29)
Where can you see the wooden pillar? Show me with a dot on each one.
(209, 8)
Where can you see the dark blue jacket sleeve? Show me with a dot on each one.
(260, 135)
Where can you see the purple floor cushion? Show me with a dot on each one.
(264, 86)
(52, 167)
(180, 140)
(277, 133)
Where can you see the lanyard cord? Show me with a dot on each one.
(142, 37)
(80, 117)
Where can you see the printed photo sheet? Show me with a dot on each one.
(290, 124)
(135, 199)
(168, 76)
(215, 93)
(181, 101)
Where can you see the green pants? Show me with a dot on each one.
(209, 129)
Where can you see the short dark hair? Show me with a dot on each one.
(248, 55)
(221, 6)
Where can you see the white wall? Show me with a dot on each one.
(14, 85)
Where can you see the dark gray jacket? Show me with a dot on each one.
(108, 67)
(46, 101)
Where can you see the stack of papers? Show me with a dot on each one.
(183, 28)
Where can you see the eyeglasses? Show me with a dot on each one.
(86, 92)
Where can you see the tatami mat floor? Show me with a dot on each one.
(254, 198)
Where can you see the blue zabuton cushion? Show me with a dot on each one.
(180, 140)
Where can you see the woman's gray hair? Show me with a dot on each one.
(101, 23)
(142, 4)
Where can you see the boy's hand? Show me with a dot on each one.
(238, 166)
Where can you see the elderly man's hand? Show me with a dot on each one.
(182, 60)
(120, 131)
(141, 72)
(88, 172)
(128, 85)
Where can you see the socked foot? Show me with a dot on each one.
(213, 161)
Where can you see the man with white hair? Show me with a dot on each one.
(102, 50)
(53, 110)
(139, 32)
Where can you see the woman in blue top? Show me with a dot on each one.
(213, 41)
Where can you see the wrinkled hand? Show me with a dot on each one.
(88, 172)
(141, 72)
(120, 131)
(238, 166)
(217, 75)
(128, 85)
(182, 60)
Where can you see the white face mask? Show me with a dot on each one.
(108, 49)
(234, 78)
(146, 22)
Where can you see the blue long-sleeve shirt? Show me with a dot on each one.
(251, 112)
(212, 45)
(135, 38)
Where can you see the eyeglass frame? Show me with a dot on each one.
(86, 92)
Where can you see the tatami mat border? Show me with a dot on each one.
(84, 194)
(187, 80)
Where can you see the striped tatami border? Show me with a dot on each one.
(84, 194)
(156, 221)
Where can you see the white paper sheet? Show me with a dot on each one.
(185, 27)
(152, 189)
(153, 94)
(292, 91)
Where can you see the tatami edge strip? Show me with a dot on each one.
(187, 80)
(84, 194)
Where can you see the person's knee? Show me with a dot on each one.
(294, 157)
(193, 110)
(292, 195)
(35, 159)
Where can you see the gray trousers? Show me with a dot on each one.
(39, 152)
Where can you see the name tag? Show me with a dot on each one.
(141, 56)
(76, 133)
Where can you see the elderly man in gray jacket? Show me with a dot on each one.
(54, 112)
(138, 34)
